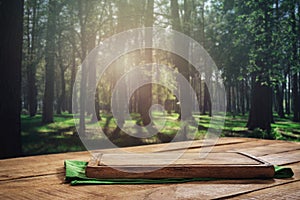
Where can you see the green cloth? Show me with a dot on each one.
(75, 174)
(283, 172)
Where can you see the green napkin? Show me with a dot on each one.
(283, 172)
(75, 174)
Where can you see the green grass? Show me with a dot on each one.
(236, 126)
(33, 124)
(61, 136)
(51, 138)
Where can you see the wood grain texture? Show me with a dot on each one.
(284, 191)
(230, 165)
(42, 177)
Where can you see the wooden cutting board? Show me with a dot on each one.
(231, 165)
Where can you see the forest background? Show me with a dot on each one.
(255, 45)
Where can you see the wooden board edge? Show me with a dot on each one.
(219, 172)
(264, 170)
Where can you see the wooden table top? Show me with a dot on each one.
(42, 177)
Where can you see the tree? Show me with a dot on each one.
(61, 101)
(294, 63)
(145, 92)
(11, 21)
(261, 114)
(50, 63)
(87, 43)
(180, 62)
(31, 12)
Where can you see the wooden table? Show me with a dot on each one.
(42, 177)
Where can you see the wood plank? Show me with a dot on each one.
(52, 187)
(50, 164)
(237, 146)
(283, 158)
(26, 178)
(285, 191)
(186, 158)
(272, 148)
(37, 165)
(189, 165)
(216, 189)
(196, 144)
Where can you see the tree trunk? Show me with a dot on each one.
(295, 97)
(206, 101)
(279, 99)
(11, 21)
(242, 94)
(298, 102)
(31, 91)
(31, 63)
(175, 15)
(182, 65)
(234, 101)
(200, 92)
(261, 107)
(238, 98)
(50, 63)
(206, 96)
(145, 92)
(82, 12)
(261, 115)
(72, 81)
(62, 96)
(92, 83)
(229, 99)
(96, 117)
(247, 96)
(288, 102)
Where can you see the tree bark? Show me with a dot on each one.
(62, 96)
(247, 95)
(50, 63)
(288, 95)
(261, 108)
(298, 102)
(229, 98)
(206, 100)
(242, 94)
(200, 92)
(82, 12)
(182, 65)
(234, 101)
(279, 99)
(31, 62)
(11, 21)
(295, 97)
(72, 81)
(145, 92)
(238, 98)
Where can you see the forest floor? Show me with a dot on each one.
(61, 136)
